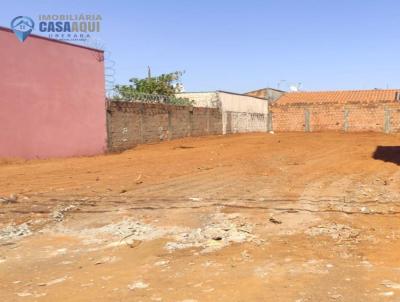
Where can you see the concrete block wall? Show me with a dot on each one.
(180, 121)
(206, 121)
(352, 117)
(132, 123)
(243, 113)
(239, 122)
(240, 113)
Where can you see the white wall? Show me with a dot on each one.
(202, 99)
(242, 103)
(240, 113)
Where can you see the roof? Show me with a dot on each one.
(263, 89)
(270, 94)
(339, 96)
(55, 40)
(241, 94)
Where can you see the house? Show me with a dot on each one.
(240, 112)
(269, 94)
(343, 110)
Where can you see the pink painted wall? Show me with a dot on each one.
(51, 98)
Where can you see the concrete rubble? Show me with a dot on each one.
(218, 231)
(222, 230)
(59, 215)
(13, 232)
(335, 230)
(10, 199)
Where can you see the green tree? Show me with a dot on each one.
(161, 88)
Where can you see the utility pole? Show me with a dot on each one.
(148, 72)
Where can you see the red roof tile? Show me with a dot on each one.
(340, 96)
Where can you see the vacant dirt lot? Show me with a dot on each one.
(257, 217)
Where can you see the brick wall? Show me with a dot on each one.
(132, 123)
(376, 117)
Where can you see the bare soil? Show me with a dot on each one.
(253, 217)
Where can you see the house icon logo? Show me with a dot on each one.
(22, 27)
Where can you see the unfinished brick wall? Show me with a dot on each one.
(357, 117)
(132, 123)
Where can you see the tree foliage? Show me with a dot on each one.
(162, 87)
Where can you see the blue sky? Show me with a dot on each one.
(244, 45)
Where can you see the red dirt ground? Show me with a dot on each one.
(252, 217)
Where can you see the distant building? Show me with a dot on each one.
(240, 112)
(201, 99)
(342, 110)
(269, 94)
(340, 96)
